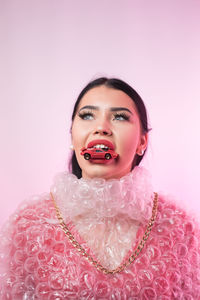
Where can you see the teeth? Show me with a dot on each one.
(101, 146)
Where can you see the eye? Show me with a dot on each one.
(86, 115)
(121, 117)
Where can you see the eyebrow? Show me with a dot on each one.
(111, 108)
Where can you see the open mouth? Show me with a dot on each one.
(99, 151)
(103, 144)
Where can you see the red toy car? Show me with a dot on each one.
(98, 153)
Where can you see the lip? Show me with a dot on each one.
(100, 141)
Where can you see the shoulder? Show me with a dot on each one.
(35, 208)
(31, 214)
(176, 233)
(172, 215)
(177, 226)
(177, 223)
(26, 235)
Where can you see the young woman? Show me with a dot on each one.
(102, 232)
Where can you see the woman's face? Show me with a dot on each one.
(107, 114)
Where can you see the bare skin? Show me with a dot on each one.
(106, 113)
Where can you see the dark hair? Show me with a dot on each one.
(127, 89)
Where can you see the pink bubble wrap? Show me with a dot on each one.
(37, 261)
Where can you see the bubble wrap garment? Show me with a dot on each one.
(108, 218)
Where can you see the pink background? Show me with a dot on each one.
(51, 49)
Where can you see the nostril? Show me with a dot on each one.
(102, 131)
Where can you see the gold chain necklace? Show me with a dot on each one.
(95, 263)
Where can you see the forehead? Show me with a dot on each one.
(106, 97)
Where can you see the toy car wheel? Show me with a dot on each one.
(87, 156)
(107, 156)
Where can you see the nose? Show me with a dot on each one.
(103, 128)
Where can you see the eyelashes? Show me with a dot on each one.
(88, 115)
(121, 116)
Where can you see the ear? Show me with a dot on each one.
(142, 144)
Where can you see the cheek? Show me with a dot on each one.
(128, 143)
(77, 135)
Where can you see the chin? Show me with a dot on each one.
(100, 171)
(105, 173)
